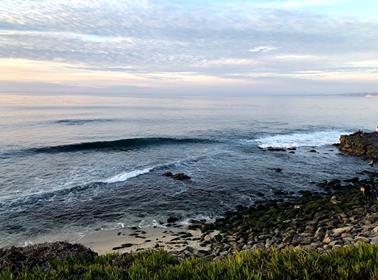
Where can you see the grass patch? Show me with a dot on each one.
(344, 263)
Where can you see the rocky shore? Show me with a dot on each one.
(360, 144)
(341, 214)
(338, 215)
(344, 212)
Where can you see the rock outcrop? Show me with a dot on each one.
(360, 144)
(19, 258)
(177, 176)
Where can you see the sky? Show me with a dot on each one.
(191, 46)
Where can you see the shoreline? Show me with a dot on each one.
(337, 216)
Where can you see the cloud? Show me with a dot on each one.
(158, 43)
(227, 62)
(292, 57)
(262, 49)
(81, 75)
(295, 4)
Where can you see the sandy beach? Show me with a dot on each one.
(126, 240)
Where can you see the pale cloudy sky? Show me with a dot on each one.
(206, 46)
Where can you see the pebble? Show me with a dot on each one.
(338, 231)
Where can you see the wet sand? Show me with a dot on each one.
(135, 239)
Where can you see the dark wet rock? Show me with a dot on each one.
(241, 208)
(260, 194)
(353, 180)
(172, 219)
(360, 144)
(185, 234)
(181, 177)
(273, 149)
(177, 176)
(312, 151)
(279, 192)
(194, 225)
(277, 169)
(168, 174)
(17, 258)
(292, 149)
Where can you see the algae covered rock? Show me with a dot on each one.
(360, 144)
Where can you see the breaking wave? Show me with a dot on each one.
(127, 175)
(311, 139)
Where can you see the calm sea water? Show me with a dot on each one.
(70, 165)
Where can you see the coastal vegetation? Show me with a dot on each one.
(359, 262)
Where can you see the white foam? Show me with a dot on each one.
(311, 139)
(156, 224)
(188, 221)
(127, 175)
(120, 225)
(135, 173)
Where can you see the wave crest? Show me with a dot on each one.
(127, 175)
(123, 144)
(80, 121)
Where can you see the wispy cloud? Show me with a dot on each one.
(262, 49)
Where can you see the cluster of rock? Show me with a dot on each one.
(291, 150)
(360, 144)
(341, 215)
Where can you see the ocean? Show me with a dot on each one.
(70, 165)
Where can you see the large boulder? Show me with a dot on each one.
(360, 144)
